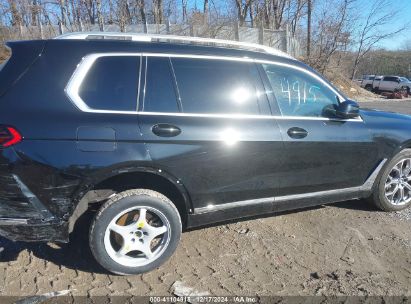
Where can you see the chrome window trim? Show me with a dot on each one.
(245, 116)
(82, 69)
(73, 86)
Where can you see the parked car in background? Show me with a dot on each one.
(392, 84)
(157, 135)
(368, 81)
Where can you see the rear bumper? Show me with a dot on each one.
(16, 230)
(23, 217)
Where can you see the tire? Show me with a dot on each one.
(380, 197)
(131, 228)
(368, 87)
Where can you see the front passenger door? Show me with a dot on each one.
(322, 153)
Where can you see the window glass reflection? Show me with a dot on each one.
(297, 93)
(112, 83)
(216, 86)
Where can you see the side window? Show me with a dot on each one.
(390, 78)
(160, 95)
(297, 93)
(217, 86)
(112, 83)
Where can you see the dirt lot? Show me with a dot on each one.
(342, 249)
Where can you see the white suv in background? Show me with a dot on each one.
(391, 84)
(368, 80)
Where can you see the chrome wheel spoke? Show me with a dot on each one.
(407, 169)
(393, 192)
(142, 215)
(124, 249)
(408, 186)
(390, 182)
(401, 194)
(124, 231)
(146, 250)
(153, 232)
(400, 167)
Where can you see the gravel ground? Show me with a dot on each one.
(347, 248)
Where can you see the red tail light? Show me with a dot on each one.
(9, 136)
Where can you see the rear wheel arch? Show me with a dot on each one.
(103, 187)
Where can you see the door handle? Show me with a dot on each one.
(297, 133)
(165, 130)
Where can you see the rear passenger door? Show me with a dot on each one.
(206, 121)
(389, 84)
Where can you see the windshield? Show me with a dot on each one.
(404, 79)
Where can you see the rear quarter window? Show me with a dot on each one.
(112, 83)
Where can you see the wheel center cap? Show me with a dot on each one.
(139, 234)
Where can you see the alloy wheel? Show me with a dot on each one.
(137, 236)
(397, 184)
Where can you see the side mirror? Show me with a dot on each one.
(347, 109)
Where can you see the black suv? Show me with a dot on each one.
(166, 133)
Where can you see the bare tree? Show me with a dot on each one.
(90, 8)
(100, 16)
(332, 33)
(184, 10)
(158, 11)
(16, 18)
(141, 8)
(242, 9)
(309, 7)
(371, 31)
(205, 11)
(35, 13)
(278, 12)
(293, 15)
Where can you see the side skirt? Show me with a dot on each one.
(249, 208)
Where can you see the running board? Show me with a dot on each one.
(329, 196)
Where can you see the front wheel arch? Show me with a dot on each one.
(377, 196)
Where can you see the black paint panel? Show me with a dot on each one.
(217, 160)
(93, 139)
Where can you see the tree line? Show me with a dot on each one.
(330, 31)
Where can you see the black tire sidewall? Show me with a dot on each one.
(101, 221)
(382, 201)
